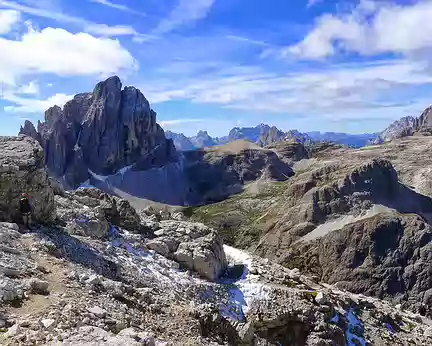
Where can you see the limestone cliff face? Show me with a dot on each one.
(103, 132)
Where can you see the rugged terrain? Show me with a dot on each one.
(336, 242)
(358, 218)
(99, 272)
(109, 139)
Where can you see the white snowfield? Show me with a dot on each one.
(339, 223)
(244, 290)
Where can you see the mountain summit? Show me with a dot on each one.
(407, 126)
(101, 132)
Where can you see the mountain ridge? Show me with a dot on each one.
(264, 135)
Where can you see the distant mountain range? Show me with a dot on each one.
(264, 135)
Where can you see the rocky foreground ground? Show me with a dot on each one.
(94, 271)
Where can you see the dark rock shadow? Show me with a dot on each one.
(77, 251)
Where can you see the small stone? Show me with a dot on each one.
(93, 280)
(129, 332)
(13, 331)
(86, 320)
(146, 338)
(24, 323)
(321, 298)
(97, 311)
(295, 274)
(48, 323)
(253, 271)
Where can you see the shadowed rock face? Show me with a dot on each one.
(102, 131)
(22, 171)
(218, 172)
(387, 255)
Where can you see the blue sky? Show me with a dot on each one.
(328, 65)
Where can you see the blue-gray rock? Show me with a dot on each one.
(103, 132)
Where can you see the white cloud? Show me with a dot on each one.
(26, 105)
(31, 88)
(60, 52)
(88, 26)
(117, 6)
(107, 30)
(8, 18)
(185, 12)
(177, 122)
(339, 92)
(372, 28)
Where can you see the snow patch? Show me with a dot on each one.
(335, 319)
(244, 290)
(148, 263)
(124, 170)
(354, 330)
(97, 176)
(86, 185)
(339, 223)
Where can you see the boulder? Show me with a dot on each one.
(90, 212)
(194, 246)
(128, 217)
(10, 290)
(22, 171)
(38, 286)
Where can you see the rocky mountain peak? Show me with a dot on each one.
(101, 132)
(425, 119)
(407, 126)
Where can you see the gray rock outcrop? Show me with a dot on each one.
(103, 131)
(387, 255)
(195, 246)
(91, 212)
(407, 126)
(22, 170)
(401, 128)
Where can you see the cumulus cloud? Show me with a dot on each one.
(185, 12)
(372, 28)
(27, 105)
(8, 18)
(57, 52)
(32, 88)
(60, 52)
